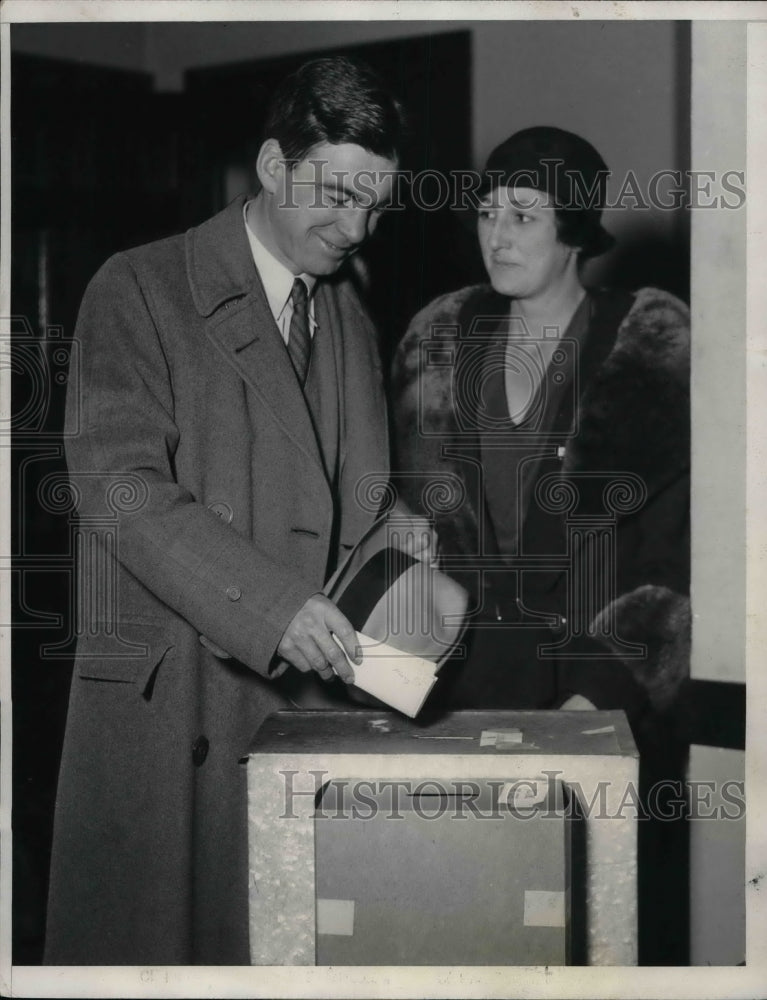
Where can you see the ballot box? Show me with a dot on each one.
(480, 838)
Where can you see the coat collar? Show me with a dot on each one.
(227, 291)
(218, 259)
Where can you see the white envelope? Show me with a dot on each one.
(399, 679)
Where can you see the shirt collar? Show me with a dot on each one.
(276, 278)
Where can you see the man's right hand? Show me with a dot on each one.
(308, 641)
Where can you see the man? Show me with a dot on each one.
(231, 402)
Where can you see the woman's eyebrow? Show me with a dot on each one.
(518, 203)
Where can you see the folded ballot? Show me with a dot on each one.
(401, 680)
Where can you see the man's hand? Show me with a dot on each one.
(308, 644)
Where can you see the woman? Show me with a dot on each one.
(545, 427)
(557, 419)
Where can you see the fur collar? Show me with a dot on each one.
(633, 411)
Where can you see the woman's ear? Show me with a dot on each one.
(270, 166)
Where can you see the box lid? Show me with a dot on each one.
(482, 732)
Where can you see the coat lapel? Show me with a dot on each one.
(364, 447)
(329, 320)
(248, 338)
(227, 291)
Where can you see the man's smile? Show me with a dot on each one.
(334, 247)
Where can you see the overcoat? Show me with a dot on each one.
(205, 511)
(572, 530)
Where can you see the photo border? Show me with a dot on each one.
(687, 981)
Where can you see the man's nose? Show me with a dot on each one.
(353, 223)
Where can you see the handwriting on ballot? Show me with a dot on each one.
(399, 679)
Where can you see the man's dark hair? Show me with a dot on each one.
(335, 100)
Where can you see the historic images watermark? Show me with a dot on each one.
(432, 190)
(494, 798)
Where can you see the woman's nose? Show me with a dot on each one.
(501, 233)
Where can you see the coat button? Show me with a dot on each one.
(222, 510)
(233, 593)
(200, 749)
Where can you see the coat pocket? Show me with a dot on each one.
(128, 653)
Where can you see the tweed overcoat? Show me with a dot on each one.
(198, 473)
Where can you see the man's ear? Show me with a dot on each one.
(270, 166)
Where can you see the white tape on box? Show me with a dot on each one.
(544, 909)
(335, 916)
(500, 737)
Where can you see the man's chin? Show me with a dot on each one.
(325, 268)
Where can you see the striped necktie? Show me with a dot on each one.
(299, 341)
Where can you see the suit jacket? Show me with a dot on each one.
(200, 480)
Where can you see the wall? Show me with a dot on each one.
(562, 71)
(717, 847)
(591, 77)
(119, 46)
(719, 359)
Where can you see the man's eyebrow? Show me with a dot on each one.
(338, 187)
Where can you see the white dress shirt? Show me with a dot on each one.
(278, 282)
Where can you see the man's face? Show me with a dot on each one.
(520, 247)
(324, 208)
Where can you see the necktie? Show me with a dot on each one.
(299, 341)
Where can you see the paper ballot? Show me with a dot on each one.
(399, 679)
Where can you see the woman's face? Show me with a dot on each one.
(518, 237)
